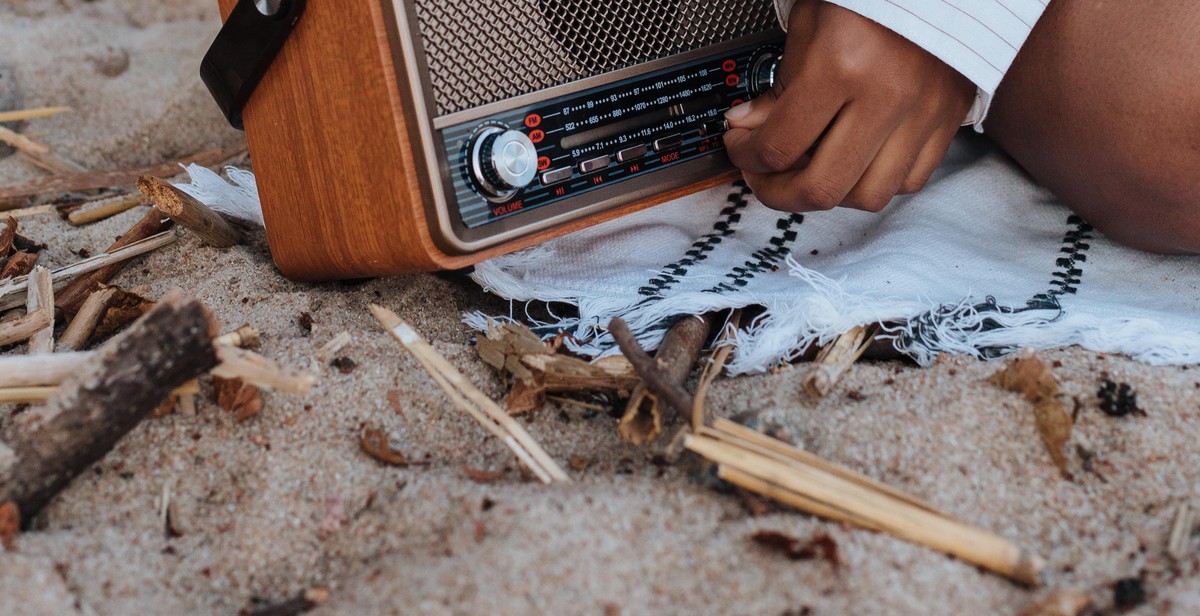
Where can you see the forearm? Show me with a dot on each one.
(977, 38)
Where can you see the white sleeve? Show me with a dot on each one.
(978, 38)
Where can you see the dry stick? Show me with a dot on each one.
(80, 329)
(740, 435)
(335, 344)
(896, 517)
(36, 210)
(73, 296)
(21, 115)
(109, 179)
(470, 399)
(673, 394)
(39, 154)
(99, 209)
(10, 289)
(40, 298)
(187, 211)
(676, 357)
(258, 370)
(123, 382)
(724, 348)
(1181, 533)
(21, 142)
(16, 330)
(35, 370)
(749, 482)
(834, 359)
(43, 393)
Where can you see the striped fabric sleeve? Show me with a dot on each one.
(978, 38)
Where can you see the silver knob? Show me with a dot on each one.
(763, 67)
(503, 161)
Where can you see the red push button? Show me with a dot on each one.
(729, 66)
(533, 120)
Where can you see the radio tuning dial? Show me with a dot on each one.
(502, 161)
(763, 66)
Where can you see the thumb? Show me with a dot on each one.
(752, 114)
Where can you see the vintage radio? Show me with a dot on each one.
(393, 136)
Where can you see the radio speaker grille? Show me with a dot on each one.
(482, 51)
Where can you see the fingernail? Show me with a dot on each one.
(738, 112)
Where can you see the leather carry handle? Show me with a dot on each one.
(243, 51)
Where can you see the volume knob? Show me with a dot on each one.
(502, 162)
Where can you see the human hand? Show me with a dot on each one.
(858, 115)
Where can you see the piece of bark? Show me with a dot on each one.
(676, 357)
(71, 298)
(92, 180)
(21, 263)
(238, 397)
(80, 329)
(525, 396)
(515, 350)
(16, 330)
(7, 235)
(41, 299)
(1030, 377)
(184, 209)
(120, 384)
(122, 309)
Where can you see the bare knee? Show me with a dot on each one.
(1107, 122)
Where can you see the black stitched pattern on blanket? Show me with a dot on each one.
(763, 259)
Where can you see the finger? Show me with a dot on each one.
(839, 162)
(931, 155)
(752, 114)
(887, 173)
(796, 120)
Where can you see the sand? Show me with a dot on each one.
(287, 501)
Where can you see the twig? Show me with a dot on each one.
(675, 358)
(73, 296)
(10, 289)
(468, 398)
(34, 370)
(43, 393)
(834, 359)
(109, 179)
(187, 211)
(258, 370)
(80, 329)
(335, 344)
(21, 115)
(724, 348)
(1181, 533)
(16, 330)
(99, 209)
(21, 142)
(673, 394)
(25, 212)
(39, 154)
(40, 298)
(121, 383)
(244, 337)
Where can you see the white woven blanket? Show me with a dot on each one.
(982, 262)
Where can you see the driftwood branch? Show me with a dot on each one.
(124, 381)
(184, 209)
(675, 358)
(108, 179)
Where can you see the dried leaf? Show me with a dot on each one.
(375, 443)
(482, 476)
(1070, 602)
(237, 396)
(1027, 375)
(525, 396)
(10, 524)
(820, 546)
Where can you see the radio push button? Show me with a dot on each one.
(595, 164)
(715, 127)
(555, 176)
(668, 142)
(629, 154)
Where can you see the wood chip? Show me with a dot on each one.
(516, 351)
(20, 264)
(833, 360)
(238, 397)
(1179, 542)
(244, 337)
(122, 309)
(479, 476)
(525, 396)
(10, 524)
(1030, 377)
(40, 298)
(375, 443)
(820, 545)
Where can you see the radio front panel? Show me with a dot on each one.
(554, 154)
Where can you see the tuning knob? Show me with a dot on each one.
(762, 70)
(502, 162)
